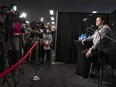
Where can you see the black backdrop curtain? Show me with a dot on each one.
(70, 25)
(113, 23)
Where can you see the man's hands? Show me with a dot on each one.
(88, 54)
(83, 41)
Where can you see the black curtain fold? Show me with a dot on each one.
(68, 30)
(113, 25)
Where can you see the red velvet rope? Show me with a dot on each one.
(43, 44)
(17, 64)
(20, 61)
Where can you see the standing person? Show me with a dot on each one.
(33, 38)
(105, 50)
(52, 31)
(47, 39)
(27, 44)
(2, 41)
(16, 37)
(41, 47)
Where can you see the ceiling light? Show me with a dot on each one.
(27, 22)
(94, 11)
(51, 12)
(53, 26)
(53, 22)
(23, 15)
(42, 19)
(52, 18)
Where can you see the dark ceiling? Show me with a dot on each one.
(40, 8)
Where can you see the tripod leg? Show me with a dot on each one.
(14, 79)
(23, 69)
(7, 81)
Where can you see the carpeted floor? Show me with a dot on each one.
(55, 75)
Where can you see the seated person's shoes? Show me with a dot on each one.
(94, 73)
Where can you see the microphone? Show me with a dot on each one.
(90, 28)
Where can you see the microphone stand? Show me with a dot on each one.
(99, 55)
(100, 62)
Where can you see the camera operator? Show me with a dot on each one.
(2, 42)
(16, 40)
(42, 29)
(9, 22)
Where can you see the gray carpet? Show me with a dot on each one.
(56, 75)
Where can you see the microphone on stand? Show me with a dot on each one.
(90, 29)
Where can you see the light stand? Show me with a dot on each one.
(35, 77)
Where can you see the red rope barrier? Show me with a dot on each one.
(20, 61)
(17, 64)
(43, 44)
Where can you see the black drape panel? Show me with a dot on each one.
(68, 29)
(113, 24)
(70, 25)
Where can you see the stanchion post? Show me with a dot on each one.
(35, 77)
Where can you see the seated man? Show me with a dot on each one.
(101, 47)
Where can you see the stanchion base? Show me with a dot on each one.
(35, 78)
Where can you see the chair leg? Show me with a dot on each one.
(90, 71)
